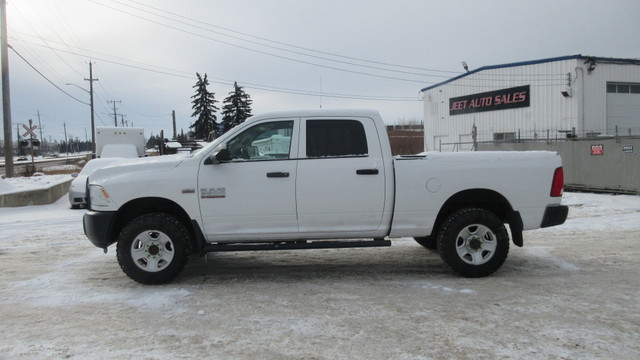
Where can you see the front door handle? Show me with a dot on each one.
(367, 172)
(277, 174)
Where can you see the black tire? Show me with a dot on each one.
(428, 242)
(153, 248)
(473, 242)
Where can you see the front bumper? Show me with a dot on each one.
(97, 227)
(554, 215)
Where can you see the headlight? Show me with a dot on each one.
(99, 197)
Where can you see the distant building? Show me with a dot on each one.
(406, 139)
(571, 96)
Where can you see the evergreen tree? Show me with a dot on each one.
(204, 109)
(236, 109)
(151, 142)
(155, 141)
(182, 137)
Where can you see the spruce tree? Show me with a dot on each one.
(204, 109)
(236, 109)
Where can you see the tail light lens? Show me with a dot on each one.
(557, 187)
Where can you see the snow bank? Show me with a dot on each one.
(18, 184)
(6, 187)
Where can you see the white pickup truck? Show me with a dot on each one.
(319, 179)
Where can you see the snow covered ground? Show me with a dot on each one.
(572, 292)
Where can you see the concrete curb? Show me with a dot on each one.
(36, 197)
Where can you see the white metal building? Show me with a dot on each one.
(557, 97)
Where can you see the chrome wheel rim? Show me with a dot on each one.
(152, 250)
(476, 244)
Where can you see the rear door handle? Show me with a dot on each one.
(278, 174)
(367, 172)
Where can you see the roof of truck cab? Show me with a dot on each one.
(315, 113)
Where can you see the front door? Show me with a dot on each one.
(252, 196)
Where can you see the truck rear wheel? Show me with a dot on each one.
(152, 249)
(473, 242)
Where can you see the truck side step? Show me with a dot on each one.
(296, 245)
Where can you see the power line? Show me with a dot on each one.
(283, 43)
(230, 82)
(280, 48)
(41, 74)
(175, 73)
(262, 52)
(145, 115)
(26, 20)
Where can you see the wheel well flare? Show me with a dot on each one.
(479, 198)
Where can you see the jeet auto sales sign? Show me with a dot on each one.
(511, 98)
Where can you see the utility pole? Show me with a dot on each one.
(93, 126)
(122, 122)
(33, 164)
(42, 140)
(6, 99)
(115, 115)
(40, 125)
(173, 115)
(17, 140)
(66, 143)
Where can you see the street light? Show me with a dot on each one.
(93, 130)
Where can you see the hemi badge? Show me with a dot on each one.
(188, 191)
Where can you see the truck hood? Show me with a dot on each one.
(131, 169)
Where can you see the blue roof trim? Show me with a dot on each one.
(533, 62)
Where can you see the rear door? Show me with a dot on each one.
(340, 186)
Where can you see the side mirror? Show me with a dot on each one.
(221, 156)
(74, 175)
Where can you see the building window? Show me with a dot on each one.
(623, 88)
(504, 136)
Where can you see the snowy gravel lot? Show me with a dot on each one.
(572, 292)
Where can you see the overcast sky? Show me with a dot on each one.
(287, 54)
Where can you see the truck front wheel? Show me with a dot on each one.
(473, 242)
(152, 249)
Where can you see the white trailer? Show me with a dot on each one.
(119, 141)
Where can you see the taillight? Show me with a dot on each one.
(558, 183)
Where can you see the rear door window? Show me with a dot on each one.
(336, 138)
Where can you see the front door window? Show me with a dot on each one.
(268, 141)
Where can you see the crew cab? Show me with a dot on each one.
(319, 179)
